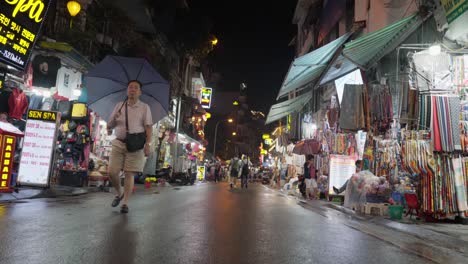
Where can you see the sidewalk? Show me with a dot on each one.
(53, 192)
(439, 242)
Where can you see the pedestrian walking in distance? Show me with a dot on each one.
(132, 122)
(245, 172)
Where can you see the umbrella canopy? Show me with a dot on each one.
(107, 85)
(307, 147)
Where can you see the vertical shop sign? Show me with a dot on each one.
(20, 24)
(454, 8)
(200, 173)
(341, 169)
(38, 148)
(206, 95)
(7, 153)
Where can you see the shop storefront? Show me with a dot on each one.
(407, 126)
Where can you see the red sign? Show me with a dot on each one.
(7, 150)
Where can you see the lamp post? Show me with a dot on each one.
(230, 120)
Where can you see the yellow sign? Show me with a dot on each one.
(6, 161)
(265, 136)
(454, 8)
(42, 115)
(200, 173)
(20, 24)
(263, 152)
(34, 8)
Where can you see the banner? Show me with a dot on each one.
(454, 8)
(20, 24)
(38, 148)
(341, 169)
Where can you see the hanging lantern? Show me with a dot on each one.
(73, 8)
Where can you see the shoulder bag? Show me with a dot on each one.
(133, 141)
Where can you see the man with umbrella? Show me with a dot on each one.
(129, 117)
(109, 82)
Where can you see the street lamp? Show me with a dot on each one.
(230, 120)
(234, 133)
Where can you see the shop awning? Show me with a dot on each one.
(368, 49)
(308, 68)
(280, 110)
(67, 54)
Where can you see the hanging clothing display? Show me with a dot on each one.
(381, 107)
(352, 105)
(67, 81)
(45, 70)
(441, 113)
(36, 101)
(18, 104)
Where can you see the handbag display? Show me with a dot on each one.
(133, 141)
(79, 111)
(64, 107)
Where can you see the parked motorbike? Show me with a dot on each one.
(182, 178)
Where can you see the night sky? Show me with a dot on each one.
(253, 45)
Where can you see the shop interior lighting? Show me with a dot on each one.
(77, 92)
(434, 50)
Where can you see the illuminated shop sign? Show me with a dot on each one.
(20, 24)
(6, 159)
(206, 95)
(201, 173)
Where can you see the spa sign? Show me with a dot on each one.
(39, 142)
(7, 150)
(20, 24)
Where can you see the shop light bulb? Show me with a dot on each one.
(434, 50)
(77, 92)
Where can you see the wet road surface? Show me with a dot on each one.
(205, 223)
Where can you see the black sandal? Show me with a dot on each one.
(124, 209)
(117, 200)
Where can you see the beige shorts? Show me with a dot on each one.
(121, 159)
(311, 183)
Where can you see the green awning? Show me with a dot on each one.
(368, 49)
(308, 68)
(280, 110)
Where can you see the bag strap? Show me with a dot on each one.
(126, 115)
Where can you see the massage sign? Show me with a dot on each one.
(37, 155)
(20, 24)
(7, 151)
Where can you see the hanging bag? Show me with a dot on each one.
(79, 111)
(133, 141)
